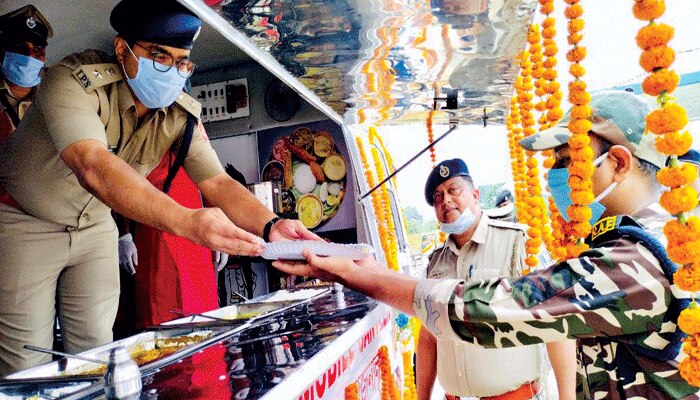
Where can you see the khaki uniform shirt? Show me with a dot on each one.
(19, 107)
(84, 97)
(497, 249)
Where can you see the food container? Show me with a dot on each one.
(259, 307)
(145, 348)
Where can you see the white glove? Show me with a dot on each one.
(128, 256)
(220, 260)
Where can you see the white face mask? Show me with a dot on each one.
(460, 225)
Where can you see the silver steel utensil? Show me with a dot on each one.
(59, 353)
(184, 314)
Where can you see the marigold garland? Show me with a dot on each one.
(581, 166)
(433, 158)
(379, 208)
(385, 215)
(389, 390)
(683, 234)
(409, 380)
(352, 391)
(551, 114)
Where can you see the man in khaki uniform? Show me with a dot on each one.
(478, 247)
(23, 38)
(99, 125)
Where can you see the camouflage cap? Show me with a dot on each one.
(617, 116)
(25, 24)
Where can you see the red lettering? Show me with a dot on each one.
(333, 373)
(321, 386)
(308, 394)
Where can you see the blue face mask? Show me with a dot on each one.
(460, 225)
(153, 88)
(558, 182)
(22, 70)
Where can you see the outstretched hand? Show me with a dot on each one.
(291, 229)
(330, 269)
(210, 227)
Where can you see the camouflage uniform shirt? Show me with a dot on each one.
(615, 299)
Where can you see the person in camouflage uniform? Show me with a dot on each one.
(617, 299)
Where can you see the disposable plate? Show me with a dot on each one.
(291, 250)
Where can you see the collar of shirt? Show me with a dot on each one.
(479, 235)
(4, 87)
(126, 100)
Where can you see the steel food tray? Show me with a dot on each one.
(167, 340)
(259, 307)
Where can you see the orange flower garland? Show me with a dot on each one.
(581, 166)
(551, 114)
(530, 204)
(433, 158)
(352, 391)
(517, 155)
(683, 234)
(389, 390)
(431, 138)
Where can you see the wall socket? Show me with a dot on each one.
(223, 100)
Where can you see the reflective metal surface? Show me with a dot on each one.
(385, 61)
(251, 363)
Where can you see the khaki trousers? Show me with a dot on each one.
(44, 268)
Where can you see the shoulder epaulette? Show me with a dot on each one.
(189, 104)
(608, 228)
(507, 225)
(92, 76)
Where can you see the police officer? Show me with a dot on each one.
(477, 247)
(23, 38)
(617, 299)
(99, 125)
(505, 209)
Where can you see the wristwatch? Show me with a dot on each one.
(268, 228)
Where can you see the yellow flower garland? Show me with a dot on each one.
(376, 200)
(381, 202)
(409, 380)
(683, 234)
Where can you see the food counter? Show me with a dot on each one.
(305, 349)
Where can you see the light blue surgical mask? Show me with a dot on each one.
(153, 88)
(558, 182)
(460, 225)
(22, 70)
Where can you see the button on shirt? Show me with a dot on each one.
(31, 169)
(496, 249)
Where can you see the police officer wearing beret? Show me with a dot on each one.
(23, 38)
(477, 247)
(99, 124)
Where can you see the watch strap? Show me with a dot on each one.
(268, 228)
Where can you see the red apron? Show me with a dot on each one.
(173, 272)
